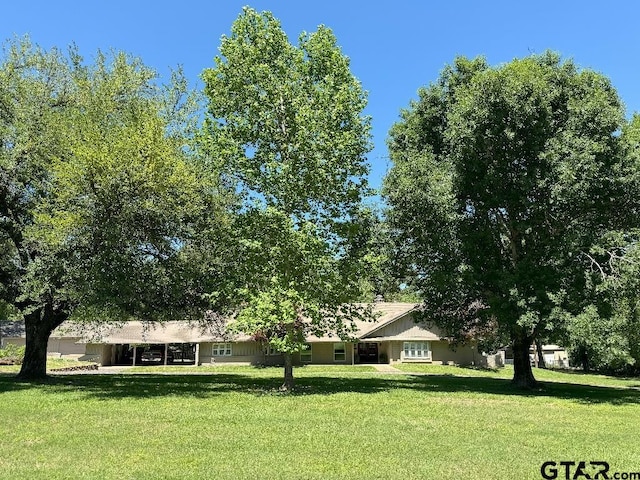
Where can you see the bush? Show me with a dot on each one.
(12, 354)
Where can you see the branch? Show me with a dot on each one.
(594, 262)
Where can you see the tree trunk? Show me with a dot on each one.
(584, 359)
(288, 372)
(540, 354)
(38, 327)
(522, 373)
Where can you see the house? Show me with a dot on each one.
(394, 337)
(61, 344)
(555, 356)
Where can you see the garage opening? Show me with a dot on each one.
(154, 354)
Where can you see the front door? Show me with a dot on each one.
(368, 352)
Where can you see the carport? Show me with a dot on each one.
(139, 343)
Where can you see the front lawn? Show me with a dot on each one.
(541, 374)
(52, 364)
(446, 424)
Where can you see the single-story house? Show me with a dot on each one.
(394, 337)
(555, 356)
(61, 344)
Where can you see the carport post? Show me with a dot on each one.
(197, 354)
(166, 350)
(134, 355)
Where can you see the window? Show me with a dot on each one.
(417, 350)
(270, 350)
(339, 352)
(221, 350)
(305, 353)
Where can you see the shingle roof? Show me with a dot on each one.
(188, 332)
(12, 329)
(386, 313)
(152, 332)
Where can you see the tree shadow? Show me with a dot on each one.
(125, 386)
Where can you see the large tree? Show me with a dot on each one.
(503, 179)
(99, 193)
(286, 123)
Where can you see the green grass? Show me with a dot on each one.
(233, 423)
(52, 363)
(563, 376)
(228, 368)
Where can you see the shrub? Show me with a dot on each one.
(12, 354)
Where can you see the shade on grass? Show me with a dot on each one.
(338, 424)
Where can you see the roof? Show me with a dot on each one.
(12, 329)
(192, 332)
(152, 332)
(386, 313)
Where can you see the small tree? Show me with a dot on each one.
(286, 126)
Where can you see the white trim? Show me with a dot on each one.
(337, 347)
(221, 349)
(413, 351)
(306, 354)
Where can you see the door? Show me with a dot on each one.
(368, 352)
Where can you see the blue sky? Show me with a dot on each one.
(395, 47)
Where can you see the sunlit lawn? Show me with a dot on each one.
(52, 364)
(563, 376)
(220, 423)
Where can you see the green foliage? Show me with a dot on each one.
(381, 279)
(285, 127)
(605, 334)
(104, 201)
(275, 309)
(503, 179)
(286, 121)
(14, 353)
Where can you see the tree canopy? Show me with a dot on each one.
(286, 127)
(99, 191)
(503, 179)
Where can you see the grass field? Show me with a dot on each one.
(233, 423)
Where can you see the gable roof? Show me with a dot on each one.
(400, 311)
(386, 313)
(191, 332)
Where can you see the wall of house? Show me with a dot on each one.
(241, 352)
(461, 355)
(440, 354)
(96, 352)
(385, 352)
(253, 353)
(13, 341)
(65, 347)
(56, 347)
(406, 327)
(322, 353)
(394, 350)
